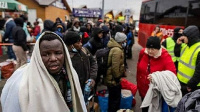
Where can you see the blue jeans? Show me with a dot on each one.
(11, 54)
(166, 108)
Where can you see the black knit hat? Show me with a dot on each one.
(71, 38)
(153, 42)
(118, 28)
(19, 22)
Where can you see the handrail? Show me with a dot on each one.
(7, 44)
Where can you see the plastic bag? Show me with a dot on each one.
(126, 99)
(103, 100)
(7, 69)
(129, 86)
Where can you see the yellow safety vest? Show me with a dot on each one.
(170, 44)
(187, 62)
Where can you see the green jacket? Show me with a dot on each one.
(115, 64)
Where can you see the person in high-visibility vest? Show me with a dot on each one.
(189, 62)
(169, 44)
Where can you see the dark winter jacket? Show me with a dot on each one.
(89, 31)
(95, 41)
(106, 35)
(190, 102)
(115, 64)
(192, 33)
(85, 65)
(130, 38)
(19, 34)
(8, 32)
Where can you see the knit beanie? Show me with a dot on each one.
(119, 28)
(153, 42)
(120, 37)
(71, 38)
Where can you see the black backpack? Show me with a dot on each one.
(102, 60)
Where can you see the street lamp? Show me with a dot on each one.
(102, 15)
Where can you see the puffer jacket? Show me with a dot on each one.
(95, 41)
(192, 33)
(115, 64)
(85, 65)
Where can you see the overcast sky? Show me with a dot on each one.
(115, 5)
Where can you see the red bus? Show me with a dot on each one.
(168, 14)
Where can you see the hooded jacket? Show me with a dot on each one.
(85, 35)
(9, 25)
(85, 65)
(41, 24)
(19, 34)
(106, 35)
(95, 41)
(192, 33)
(115, 64)
(48, 25)
(189, 102)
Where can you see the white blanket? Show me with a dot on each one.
(33, 89)
(163, 83)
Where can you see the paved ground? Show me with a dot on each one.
(131, 73)
(132, 69)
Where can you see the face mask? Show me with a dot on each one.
(74, 49)
(59, 29)
(124, 45)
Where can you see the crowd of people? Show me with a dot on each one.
(64, 59)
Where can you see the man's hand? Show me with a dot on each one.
(149, 77)
(92, 83)
(27, 52)
(189, 89)
(180, 40)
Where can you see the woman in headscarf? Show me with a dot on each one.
(48, 84)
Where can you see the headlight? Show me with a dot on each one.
(136, 29)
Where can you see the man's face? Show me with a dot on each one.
(52, 54)
(100, 35)
(78, 45)
(76, 25)
(157, 29)
(88, 26)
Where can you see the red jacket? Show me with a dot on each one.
(164, 62)
(36, 30)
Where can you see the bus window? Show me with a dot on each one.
(170, 12)
(193, 16)
(147, 12)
